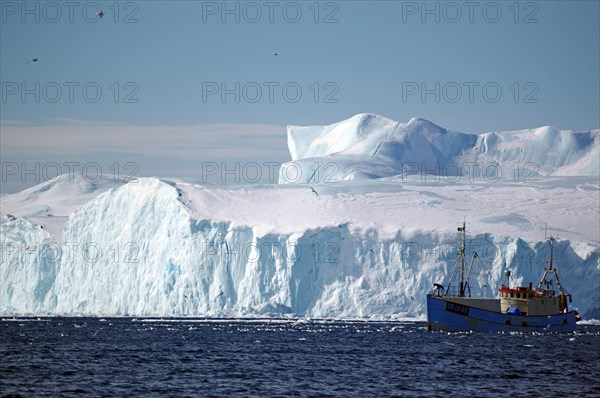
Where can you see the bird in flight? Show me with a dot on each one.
(34, 59)
(100, 13)
(275, 53)
(221, 292)
(313, 190)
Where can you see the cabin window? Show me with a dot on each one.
(512, 295)
(508, 321)
(524, 323)
(518, 295)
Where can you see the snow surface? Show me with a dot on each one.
(364, 248)
(369, 146)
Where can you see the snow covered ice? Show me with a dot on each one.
(370, 146)
(363, 234)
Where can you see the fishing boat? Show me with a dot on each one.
(542, 308)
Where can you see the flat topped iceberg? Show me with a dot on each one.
(368, 146)
(361, 249)
(368, 248)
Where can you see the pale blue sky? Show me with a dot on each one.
(367, 59)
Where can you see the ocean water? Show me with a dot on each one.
(124, 357)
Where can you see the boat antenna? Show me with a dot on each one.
(550, 239)
(462, 260)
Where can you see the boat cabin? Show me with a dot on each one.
(524, 300)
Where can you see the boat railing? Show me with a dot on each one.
(439, 290)
(452, 291)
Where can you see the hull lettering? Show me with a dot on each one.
(457, 308)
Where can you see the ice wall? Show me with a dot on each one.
(138, 251)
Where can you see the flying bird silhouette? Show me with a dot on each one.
(221, 292)
(34, 59)
(100, 13)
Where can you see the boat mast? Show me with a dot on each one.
(551, 239)
(461, 292)
(550, 270)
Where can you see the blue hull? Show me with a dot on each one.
(445, 316)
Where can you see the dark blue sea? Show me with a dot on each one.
(124, 357)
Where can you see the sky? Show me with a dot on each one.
(192, 89)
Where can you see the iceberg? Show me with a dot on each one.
(354, 248)
(368, 146)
